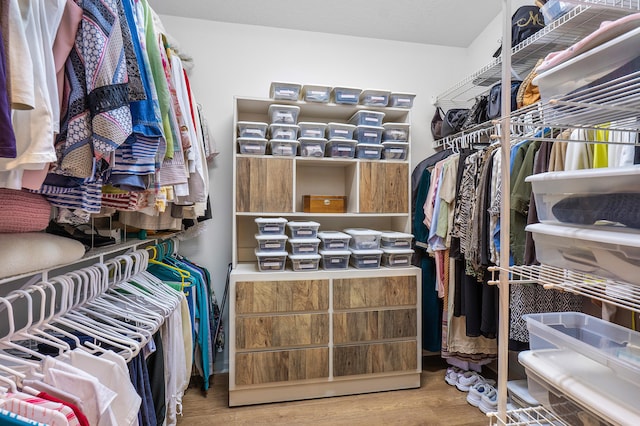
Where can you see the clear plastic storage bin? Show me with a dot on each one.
(334, 240)
(401, 100)
(395, 150)
(283, 147)
(304, 262)
(284, 131)
(367, 118)
(373, 97)
(335, 259)
(395, 240)
(363, 239)
(312, 130)
(314, 93)
(271, 242)
(252, 129)
(283, 114)
(553, 9)
(285, 91)
(341, 148)
(300, 229)
(346, 95)
(304, 245)
(252, 146)
(398, 132)
(365, 259)
(611, 254)
(366, 151)
(396, 257)
(271, 225)
(312, 147)
(340, 131)
(368, 134)
(603, 196)
(272, 261)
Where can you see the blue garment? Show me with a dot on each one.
(140, 381)
(10, 419)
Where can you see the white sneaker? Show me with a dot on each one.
(489, 402)
(476, 391)
(452, 375)
(470, 378)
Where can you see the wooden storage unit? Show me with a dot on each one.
(298, 335)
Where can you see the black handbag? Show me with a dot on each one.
(436, 124)
(494, 105)
(453, 121)
(477, 114)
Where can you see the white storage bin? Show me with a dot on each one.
(252, 146)
(252, 129)
(395, 240)
(610, 254)
(340, 131)
(300, 229)
(285, 91)
(346, 95)
(271, 225)
(335, 259)
(271, 242)
(398, 132)
(373, 97)
(312, 130)
(334, 240)
(622, 58)
(366, 151)
(553, 9)
(284, 131)
(363, 239)
(283, 114)
(367, 118)
(365, 259)
(397, 257)
(304, 245)
(304, 262)
(283, 147)
(603, 196)
(395, 150)
(368, 134)
(401, 100)
(272, 261)
(341, 148)
(312, 147)
(314, 93)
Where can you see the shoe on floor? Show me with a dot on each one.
(452, 375)
(477, 391)
(489, 402)
(470, 378)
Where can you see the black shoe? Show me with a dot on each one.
(84, 233)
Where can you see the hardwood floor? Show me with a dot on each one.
(434, 403)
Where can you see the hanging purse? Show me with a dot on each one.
(477, 114)
(494, 106)
(436, 124)
(453, 121)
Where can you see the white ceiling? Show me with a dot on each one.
(442, 22)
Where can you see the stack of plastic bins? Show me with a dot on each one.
(365, 248)
(304, 245)
(271, 240)
(335, 249)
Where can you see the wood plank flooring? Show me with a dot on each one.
(434, 403)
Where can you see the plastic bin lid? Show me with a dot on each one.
(315, 87)
(312, 140)
(280, 106)
(375, 91)
(413, 95)
(292, 126)
(624, 237)
(397, 251)
(333, 234)
(271, 220)
(271, 237)
(367, 127)
(341, 125)
(360, 232)
(304, 256)
(347, 88)
(388, 126)
(366, 251)
(304, 240)
(312, 124)
(395, 143)
(293, 223)
(270, 253)
(605, 180)
(366, 111)
(252, 140)
(394, 234)
(252, 123)
(288, 141)
(346, 141)
(335, 252)
(375, 146)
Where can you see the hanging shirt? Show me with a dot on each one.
(9, 418)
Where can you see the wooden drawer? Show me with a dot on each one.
(375, 358)
(374, 325)
(281, 296)
(275, 331)
(264, 185)
(374, 292)
(254, 368)
(383, 187)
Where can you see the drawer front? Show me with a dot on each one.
(281, 366)
(264, 185)
(383, 187)
(261, 332)
(375, 358)
(281, 296)
(374, 292)
(374, 325)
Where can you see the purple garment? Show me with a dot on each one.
(8, 138)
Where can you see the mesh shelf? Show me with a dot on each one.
(527, 416)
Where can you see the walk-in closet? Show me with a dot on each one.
(319, 212)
